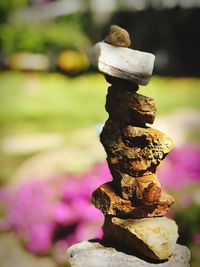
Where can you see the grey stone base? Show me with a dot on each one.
(93, 254)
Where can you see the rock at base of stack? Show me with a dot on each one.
(95, 254)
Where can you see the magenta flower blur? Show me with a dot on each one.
(30, 215)
(180, 168)
(51, 214)
(196, 238)
(46, 212)
(40, 237)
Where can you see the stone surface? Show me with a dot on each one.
(146, 188)
(118, 37)
(122, 62)
(124, 84)
(124, 185)
(106, 199)
(94, 254)
(155, 238)
(133, 150)
(128, 107)
(151, 193)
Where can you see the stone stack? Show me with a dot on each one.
(134, 204)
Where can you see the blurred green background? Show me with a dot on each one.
(52, 101)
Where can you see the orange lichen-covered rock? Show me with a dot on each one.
(128, 107)
(146, 188)
(133, 150)
(106, 199)
(151, 193)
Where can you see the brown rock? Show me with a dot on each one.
(122, 83)
(152, 237)
(151, 193)
(106, 199)
(148, 183)
(133, 150)
(125, 185)
(146, 188)
(118, 37)
(128, 107)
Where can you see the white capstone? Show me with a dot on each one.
(122, 62)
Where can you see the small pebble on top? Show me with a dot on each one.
(118, 37)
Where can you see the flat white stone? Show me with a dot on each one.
(122, 62)
(153, 237)
(89, 254)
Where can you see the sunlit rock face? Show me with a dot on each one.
(153, 237)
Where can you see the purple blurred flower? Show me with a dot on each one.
(186, 200)
(196, 238)
(30, 214)
(43, 212)
(40, 237)
(57, 212)
(180, 168)
(62, 213)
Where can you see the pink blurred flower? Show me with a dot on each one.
(186, 200)
(43, 212)
(180, 168)
(170, 214)
(62, 213)
(40, 237)
(196, 238)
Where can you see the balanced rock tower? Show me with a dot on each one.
(136, 231)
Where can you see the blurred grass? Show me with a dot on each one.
(50, 102)
(173, 93)
(53, 102)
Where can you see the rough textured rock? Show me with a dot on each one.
(155, 238)
(122, 62)
(128, 107)
(133, 150)
(151, 193)
(94, 254)
(146, 188)
(106, 199)
(118, 37)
